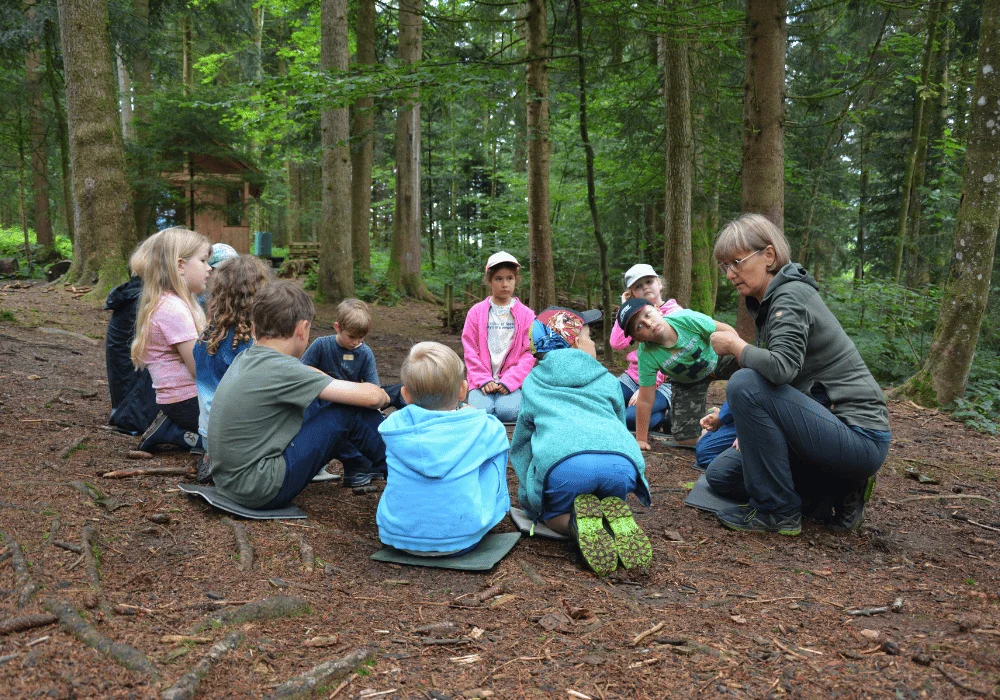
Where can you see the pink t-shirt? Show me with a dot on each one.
(170, 323)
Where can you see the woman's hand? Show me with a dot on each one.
(711, 421)
(728, 343)
(635, 399)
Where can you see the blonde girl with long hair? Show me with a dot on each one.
(173, 265)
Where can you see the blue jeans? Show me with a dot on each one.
(503, 406)
(329, 431)
(661, 406)
(790, 446)
(713, 444)
(599, 473)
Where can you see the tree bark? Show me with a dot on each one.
(677, 99)
(945, 373)
(336, 272)
(63, 130)
(543, 275)
(124, 97)
(102, 206)
(362, 125)
(859, 268)
(405, 251)
(140, 74)
(38, 145)
(763, 176)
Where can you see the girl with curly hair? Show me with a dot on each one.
(232, 289)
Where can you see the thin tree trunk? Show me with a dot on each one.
(336, 270)
(124, 97)
(763, 177)
(187, 60)
(62, 129)
(945, 373)
(602, 245)
(405, 251)
(22, 200)
(138, 62)
(543, 275)
(103, 206)
(677, 98)
(38, 145)
(362, 124)
(859, 269)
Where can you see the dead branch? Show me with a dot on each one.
(947, 497)
(243, 545)
(184, 639)
(26, 622)
(22, 577)
(127, 656)
(72, 447)
(149, 471)
(265, 609)
(187, 685)
(958, 683)
(69, 546)
(88, 543)
(327, 671)
(433, 641)
(648, 633)
(964, 519)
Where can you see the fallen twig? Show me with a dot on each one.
(957, 682)
(184, 639)
(149, 471)
(432, 641)
(321, 675)
(279, 582)
(186, 685)
(976, 523)
(243, 545)
(342, 685)
(896, 606)
(26, 622)
(22, 577)
(69, 546)
(947, 497)
(127, 656)
(648, 633)
(265, 609)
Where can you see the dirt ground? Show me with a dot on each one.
(735, 615)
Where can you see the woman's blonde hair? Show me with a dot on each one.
(749, 233)
(232, 289)
(156, 262)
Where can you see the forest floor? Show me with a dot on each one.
(738, 615)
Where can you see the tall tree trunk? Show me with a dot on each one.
(763, 177)
(677, 98)
(859, 268)
(602, 245)
(362, 124)
(62, 129)
(38, 145)
(945, 372)
(918, 147)
(22, 201)
(103, 207)
(124, 97)
(336, 271)
(138, 63)
(405, 253)
(543, 274)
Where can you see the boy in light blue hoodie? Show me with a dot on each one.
(447, 483)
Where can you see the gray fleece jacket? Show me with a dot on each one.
(799, 342)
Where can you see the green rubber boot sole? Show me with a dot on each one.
(596, 544)
(631, 543)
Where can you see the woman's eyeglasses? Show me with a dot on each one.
(735, 265)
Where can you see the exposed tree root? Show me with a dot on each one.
(69, 546)
(87, 546)
(327, 671)
(266, 609)
(150, 471)
(27, 587)
(243, 545)
(129, 657)
(26, 622)
(72, 447)
(186, 685)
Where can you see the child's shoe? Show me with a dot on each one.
(203, 471)
(595, 543)
(164, 433)
(631, 543)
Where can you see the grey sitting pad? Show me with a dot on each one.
(488, 554)
(703, 497)
(219, 501)
(523, 522)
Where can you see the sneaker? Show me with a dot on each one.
(203, 472)
(157, 432)
(353, 480)
(850, 512)
(163, 433)
(749, 519)
(324, 475)
(631, 543)
(595, 543)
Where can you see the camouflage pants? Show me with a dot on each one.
(689, 400)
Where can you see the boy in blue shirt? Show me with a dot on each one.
(447, 483)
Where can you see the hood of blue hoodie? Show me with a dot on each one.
(434, 443)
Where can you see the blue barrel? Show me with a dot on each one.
(262, 244)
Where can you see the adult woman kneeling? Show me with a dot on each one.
(812, 424)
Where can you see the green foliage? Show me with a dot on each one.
(7, 316)
(12, 246)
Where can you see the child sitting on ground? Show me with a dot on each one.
(345, 356)
(574, 457)
(642, 282)
(495, 341)
(447, 483)
(679, 345)
(233, 286)
(719, 436)
(272, 428)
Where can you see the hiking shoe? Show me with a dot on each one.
(749, 519)
(203, 472)
(353, 480)
(595, 543)
(631, 543)
(850, 512)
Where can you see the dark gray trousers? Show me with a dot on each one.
(790, 446)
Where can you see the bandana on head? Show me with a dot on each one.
(555, 330)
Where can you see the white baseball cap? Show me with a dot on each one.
(636, 273)
(502, 257)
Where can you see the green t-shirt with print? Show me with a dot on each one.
(690, 360)
(256, 412)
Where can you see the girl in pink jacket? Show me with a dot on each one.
(642, 282)
(497, 349)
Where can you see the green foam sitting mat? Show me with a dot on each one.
(219, 501)
(484, 557)
(704, 498)
(523, 522)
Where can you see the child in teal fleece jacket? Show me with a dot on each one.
(447, 483)
(572, 451)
